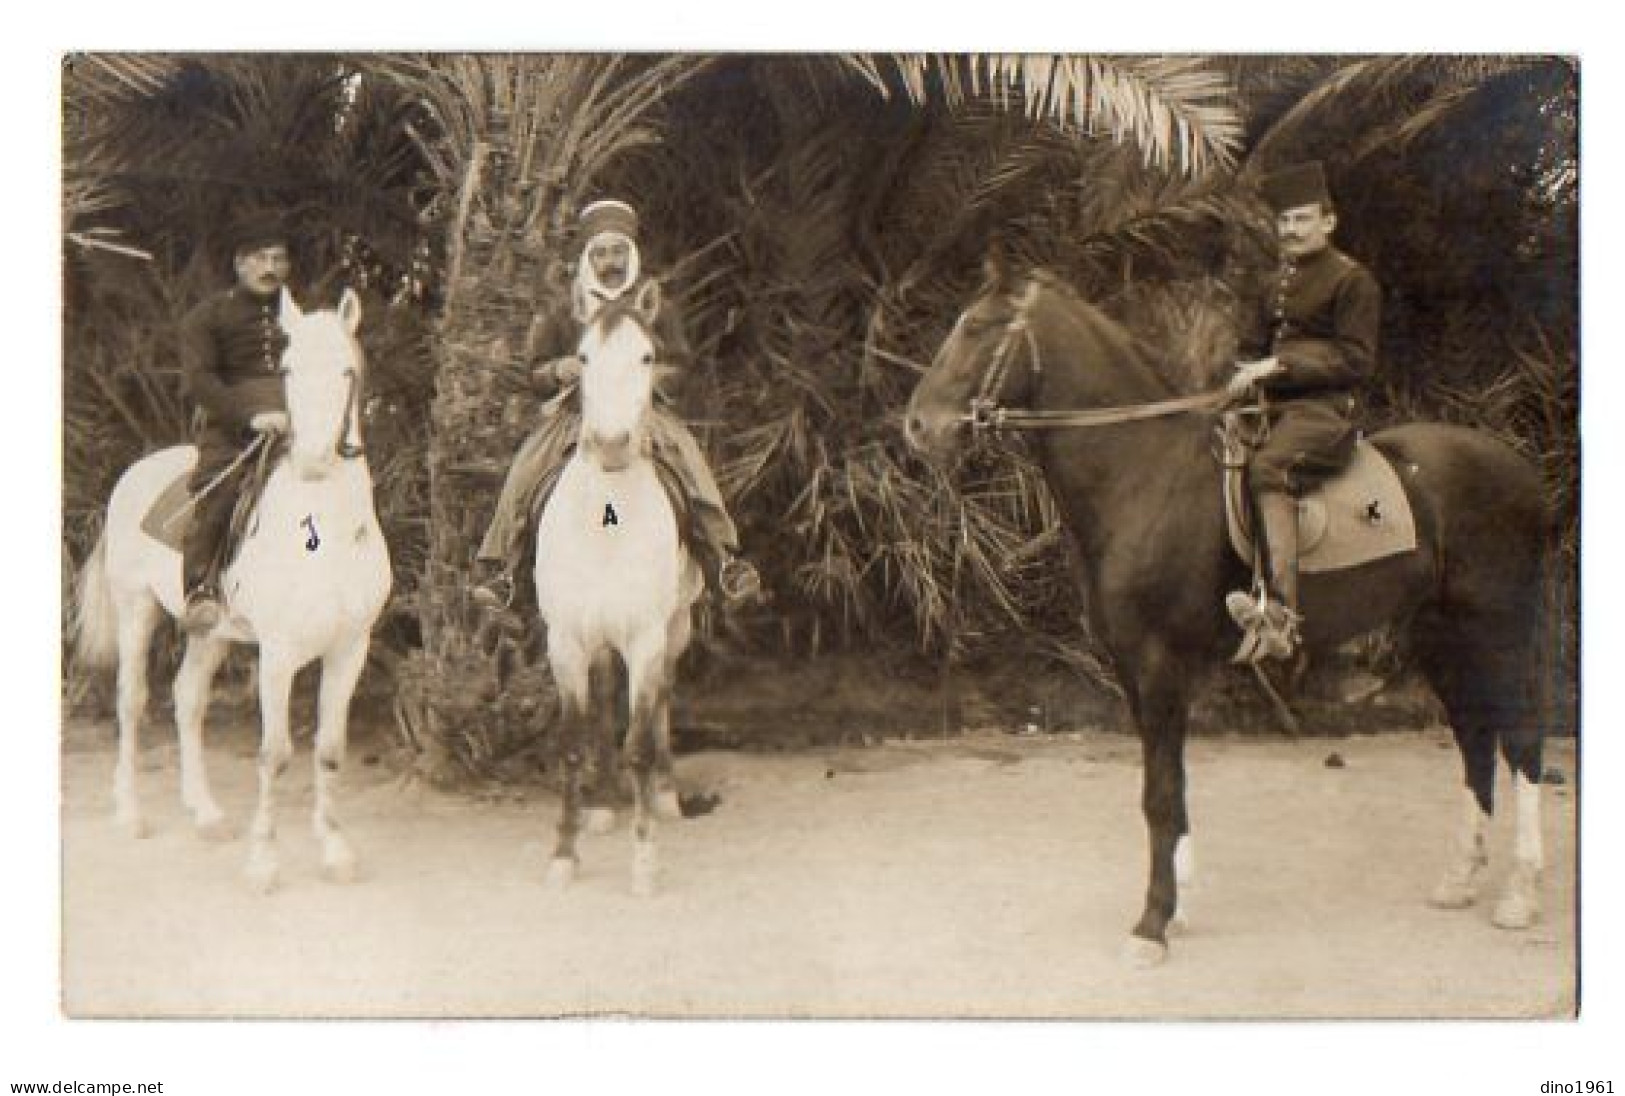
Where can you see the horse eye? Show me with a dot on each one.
(648, 359)
(583, 358)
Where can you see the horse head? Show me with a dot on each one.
(617, 352)
(981, 366)
(321, 371)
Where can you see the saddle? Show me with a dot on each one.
(169, 518)
(665, 471)
(1360, 515)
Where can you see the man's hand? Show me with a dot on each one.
(1248, 374)
(269, 422)
(558, 372)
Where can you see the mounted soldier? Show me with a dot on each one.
(608, 268)
(231, 354)
(1312, 345)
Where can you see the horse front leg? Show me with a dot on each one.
(571, 674)
(277, 669)
(341, 668)
(192, 686)
(649, 693)
(603, 787)
(1159, 705)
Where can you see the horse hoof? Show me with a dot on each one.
(668, 805)
(1179, 925)
(1451, 894)
(1514, 912)
(136, 828)
(262, 876)
(645, 870)
(1143, 954)
(217, 829)
(340, 869)
(598, 820)
(561, 871)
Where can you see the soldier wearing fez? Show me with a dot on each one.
(1311, 348)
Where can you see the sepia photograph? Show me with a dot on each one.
(820, 536)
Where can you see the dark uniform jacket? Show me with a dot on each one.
(554, 333)
(231, 351)
(1321, 325)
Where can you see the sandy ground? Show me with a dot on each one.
(991, 875)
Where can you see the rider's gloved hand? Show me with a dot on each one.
(1249, 374)
(556, 374)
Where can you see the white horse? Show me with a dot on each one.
(614, 578)
(309, 580)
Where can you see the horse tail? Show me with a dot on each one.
(95, 620)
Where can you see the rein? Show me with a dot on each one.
(986, 414)
(342, 446)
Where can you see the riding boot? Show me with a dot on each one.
(1278, 513)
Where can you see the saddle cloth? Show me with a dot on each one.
(665, 471)
(170, 515)
(1358, 516)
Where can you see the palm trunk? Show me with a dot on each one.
(475, 701)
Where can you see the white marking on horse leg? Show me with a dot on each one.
(646, 687)
(1143, 954)
(137, 617)
(571, 674)
(340, 670)
(192, 685)
(1519, 906)
(1185, 881)
(1458, 888)
(276, 747)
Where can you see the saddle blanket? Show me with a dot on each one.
(165, 522)
(1357, 517)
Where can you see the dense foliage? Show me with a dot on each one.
(822, 219)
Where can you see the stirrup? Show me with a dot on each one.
(738, 580)
(495, 592)
(202, 613)
(1272, 629)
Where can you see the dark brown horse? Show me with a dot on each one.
(1131, 469)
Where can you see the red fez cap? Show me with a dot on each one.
(608, 216)
(1298, 185)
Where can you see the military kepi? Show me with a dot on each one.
(1298, 185)
(608, 216)
(255, 229)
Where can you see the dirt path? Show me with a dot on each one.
(989, 875)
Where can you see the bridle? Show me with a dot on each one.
(342, 445)
(985, 413)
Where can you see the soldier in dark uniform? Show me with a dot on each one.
(1314, 343)
(231, 353)
(609, 268)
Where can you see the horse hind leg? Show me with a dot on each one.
(138, 616)
(192, 685)
(341, 668)
(1482, 676)
(1519, 904)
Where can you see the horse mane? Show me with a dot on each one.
(1091, 322)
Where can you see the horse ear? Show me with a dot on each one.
(288, 311)
(350, 310)
(647, 302)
